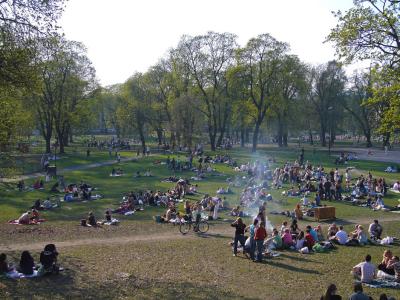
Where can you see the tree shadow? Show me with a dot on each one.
(290, 268)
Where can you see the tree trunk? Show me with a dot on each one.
(386, 139)
(310, 136)
(368, 137)
(242, 137)
(285, 139)
(255, 136)
(159, 135)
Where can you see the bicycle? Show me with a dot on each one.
(202, 226)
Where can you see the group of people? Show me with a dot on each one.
(388, 269)
(75, 192)
(28, 268)
(357, 237)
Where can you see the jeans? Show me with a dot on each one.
(252, 248)
(260, 244)
(238, 238)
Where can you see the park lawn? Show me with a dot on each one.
(190, 267)
(195, 268)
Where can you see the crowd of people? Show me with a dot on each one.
(27, 267)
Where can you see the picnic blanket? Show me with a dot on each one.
(383, 283)
(16, 222)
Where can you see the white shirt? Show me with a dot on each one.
(367, 271)
(341, 235)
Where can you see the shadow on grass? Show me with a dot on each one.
(299, 258)
(70, 285)
(290, 268)
(214, 235)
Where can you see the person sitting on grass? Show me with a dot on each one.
(313, 233)
(340, 236)
(4, 266)
(332, 230)
(239, 235)
(284, 226)
(287, 239)
(235, 212)
(378, 205)
(375, 230)
(300, 240)
(358, 293)
(91, 220)
(113, 172)
(362, 236)
(395, 265)
(294, 228)
(387, 261)
(34, 218)
(365, 271)
(26, 264)
(330, 293)
(37, 205)
(25, 218)
(48, 260)
(319, 232)
(309, 240)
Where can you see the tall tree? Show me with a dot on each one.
(207, 59)
(328, 82)
(261, 60)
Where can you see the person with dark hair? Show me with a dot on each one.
(365, 271)
(26, 264)
(252, 230)
(48, 260)
(239, 234)
(375, 230)
(4, 267)
(358, 293)
(330, 293)
(259, 237)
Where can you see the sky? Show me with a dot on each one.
(126, 36)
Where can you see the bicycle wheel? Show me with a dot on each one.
(203, 226)
(184, 227)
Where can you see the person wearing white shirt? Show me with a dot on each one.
(341, 236)
(365, 271)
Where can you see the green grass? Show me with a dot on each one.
(175, 267)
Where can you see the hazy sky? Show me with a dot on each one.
(124, 36)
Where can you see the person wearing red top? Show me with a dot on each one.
(309, 240)
(259, 237)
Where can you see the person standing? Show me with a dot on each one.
(252, 230)
(239, 234)
(259, 236)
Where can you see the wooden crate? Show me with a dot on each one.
(325, 212)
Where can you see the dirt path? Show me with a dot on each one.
(215, 232)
